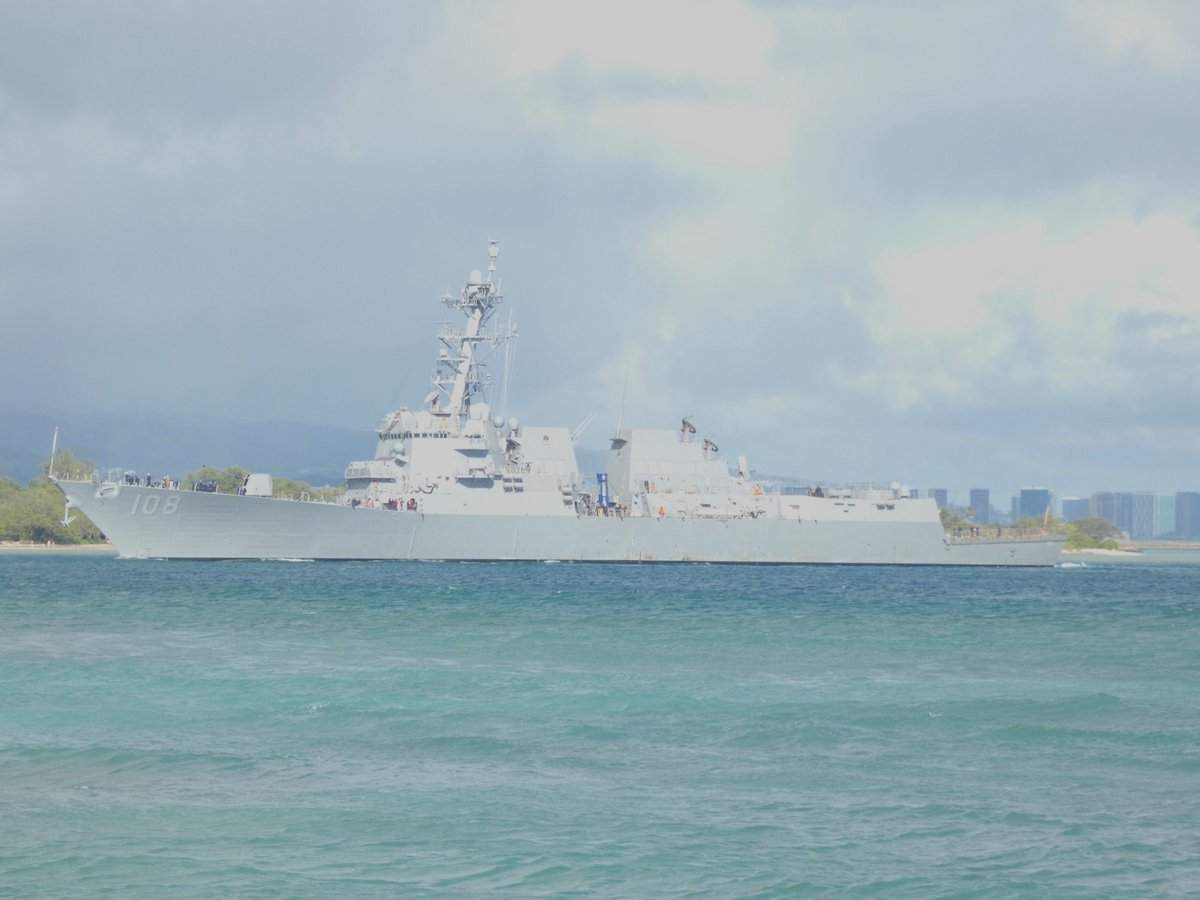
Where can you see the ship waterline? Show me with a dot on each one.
(451, 481)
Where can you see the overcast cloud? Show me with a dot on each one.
(952, 244)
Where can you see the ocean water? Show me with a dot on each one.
(426, 729)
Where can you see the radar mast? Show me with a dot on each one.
(457, 379)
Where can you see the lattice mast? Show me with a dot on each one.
(458, 379)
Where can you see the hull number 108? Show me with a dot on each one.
(154, 503)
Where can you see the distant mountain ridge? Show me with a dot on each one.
(175, 444)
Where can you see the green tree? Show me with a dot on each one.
(951, 520)
(1096, 528)
(68, 467)
(1027, 523)
(35, 514)
(293, 489)
(230, 480)
(1092, 533)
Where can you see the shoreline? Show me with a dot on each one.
(29, 547)
(1100, 551)
(1140, 548)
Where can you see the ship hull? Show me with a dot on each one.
(160, 523)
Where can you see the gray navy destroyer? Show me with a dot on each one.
(452, 481)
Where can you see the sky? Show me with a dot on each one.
(951, 244)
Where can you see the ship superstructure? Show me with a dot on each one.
(453, 456)
(451, 480)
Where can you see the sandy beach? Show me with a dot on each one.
(26, 547)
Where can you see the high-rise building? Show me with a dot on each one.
(1076, 508)
(1117, 508)
(1166, 516)
(1033, 502)
(981, 502)
(940, 495)
(1123, 511)
(1143, 511)
(1187, 515)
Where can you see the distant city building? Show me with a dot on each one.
(1076, 508)
(1187, 515)
(1143, 513)
(1033, 502)
(981, 502)
(1165, 516)
(1124, 511)
(940, 496)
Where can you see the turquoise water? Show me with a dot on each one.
(385, 729)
